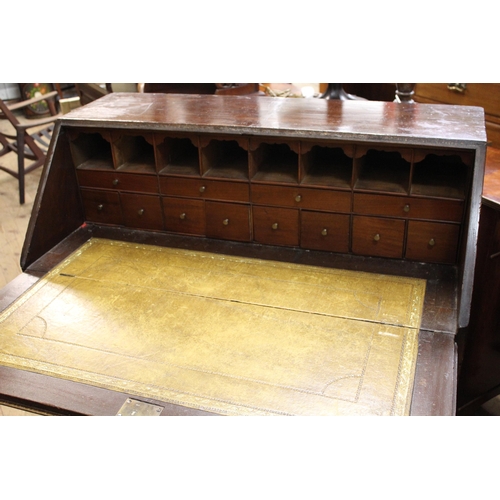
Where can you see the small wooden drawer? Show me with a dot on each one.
(409, 208)
(206, 189)
(184, 216)
(102, 206)
(322, 231)
(378, 237)
(300, 197)
(432, 242)
(228, 221)
(142, 211)
(118, 180)
(276, 226)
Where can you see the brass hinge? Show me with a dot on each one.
(134, 408)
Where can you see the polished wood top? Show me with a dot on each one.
(366, 121)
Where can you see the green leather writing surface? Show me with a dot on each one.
(232, 335)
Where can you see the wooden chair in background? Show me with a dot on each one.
(29, 140)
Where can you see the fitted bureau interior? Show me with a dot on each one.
(224, 158)
(134, 153)
(274, 162)
(177, 156)
(442, 175)
(328, 166)
(373, 200)
(387, 171)
(91, 150)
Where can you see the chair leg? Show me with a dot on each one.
(20, 166)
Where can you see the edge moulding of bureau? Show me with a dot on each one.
(365, 186)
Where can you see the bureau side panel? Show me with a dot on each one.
(57, 210)
(468, 259)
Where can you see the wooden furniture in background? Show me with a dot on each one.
(200, 88)
(371, 91)
(236, 88)
(371, 186)
(29, 140)
(89, 92)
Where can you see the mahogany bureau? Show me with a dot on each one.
(371, 186)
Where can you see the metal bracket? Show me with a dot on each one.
(134, 408)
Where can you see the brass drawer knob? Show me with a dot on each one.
(324, 232)
(406, 208)
(457, 87)
(432, 242)
(182, 216)
(275, 226)
(140, 211)
(100, 208)
(115, 182)
(298, 198)
(376, 237)
(203, 189)
(225, 222)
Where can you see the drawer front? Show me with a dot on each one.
(228, 221)
(407, 207)
(184, 216)
(102, 207)
(307, 198)
(378, 236)
(432, 242)
(142, 211)
(119, 181)
(321, 231)
(206, 189)
(276, 226)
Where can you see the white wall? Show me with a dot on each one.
(9, 91)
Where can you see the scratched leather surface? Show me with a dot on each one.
(233, 335)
